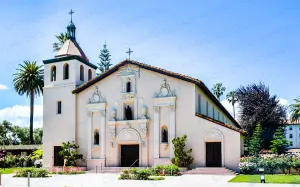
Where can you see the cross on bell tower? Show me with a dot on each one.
(129, 53)
(71, 27)
(71, 12)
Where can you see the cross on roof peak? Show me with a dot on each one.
(71, 12)
(129, 53)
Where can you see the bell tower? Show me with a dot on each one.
(67, 70)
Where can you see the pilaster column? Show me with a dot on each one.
(89, 135)
(172, 128)
(156, 132)
(102, 134)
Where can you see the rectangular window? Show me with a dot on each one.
(207, 108)
(291, 143)
(213, 116)
(59, 107)
(291, 135)
(199, 103)
(219, 116)
(291, 128)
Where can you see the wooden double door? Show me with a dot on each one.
(58, 160)
(213, 154)
(130, 155)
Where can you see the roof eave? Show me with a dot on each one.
(69, 57)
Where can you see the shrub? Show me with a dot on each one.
(296, 165)
(182, 158)
(34, 172)
(157, 170)
(171, 170)
(247, 167)
(157, 178)
(37, 154)
(125, 174)
(70, 153)
(285, 163)
(269, 164)
(142, 174)
(16, 161)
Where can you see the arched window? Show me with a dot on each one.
(53, 73)
(128, 86)
(96, 137)
(81, 73)
(164, 134)
(66, 71)
(90, 74)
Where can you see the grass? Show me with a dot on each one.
(279, 179)
(9, 170)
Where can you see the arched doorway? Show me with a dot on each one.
(214, 154)
(129, 142)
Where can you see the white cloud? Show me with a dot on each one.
(3, 87)
(20, 115)
(284, 102)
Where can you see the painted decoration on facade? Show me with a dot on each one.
(96, 97)
(165, 90)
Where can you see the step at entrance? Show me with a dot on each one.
(211, 170)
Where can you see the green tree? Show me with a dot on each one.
(255, 143)
(295, 110)
(5, 131)
(70, 153)
(182, 158)
(232, 98)
(21, 135)
(104, 59)
(61, 39)
(279, 143)
(218, 90)
(29, 81)
(38, 135)
(256, 105)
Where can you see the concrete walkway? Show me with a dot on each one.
(110, 180)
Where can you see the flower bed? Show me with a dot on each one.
(271, 163)
(68, 170)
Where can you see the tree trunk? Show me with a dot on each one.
(31, 141)
(233, 111)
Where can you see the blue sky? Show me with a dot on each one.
(234, 42)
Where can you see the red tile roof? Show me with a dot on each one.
(222, 124)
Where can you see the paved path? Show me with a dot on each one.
(110, 180)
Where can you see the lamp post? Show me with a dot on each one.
(262, 175)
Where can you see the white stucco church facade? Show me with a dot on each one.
(129, 115)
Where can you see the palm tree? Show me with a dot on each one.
(295, 109)
(218, 90)
(232, 98)
(29, 81)
(62, 38)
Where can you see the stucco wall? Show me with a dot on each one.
(58, 128)
(187, 123)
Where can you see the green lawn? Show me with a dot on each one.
(280, 179)
(8, 170)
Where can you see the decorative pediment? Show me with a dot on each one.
(96, 97)
(129, 70)
(165, 90)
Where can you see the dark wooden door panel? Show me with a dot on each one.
(213, 154)
(129, 154)
(58, 160)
